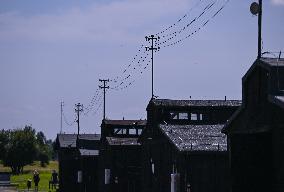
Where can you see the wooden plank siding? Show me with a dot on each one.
(255, 133)
(176, 145)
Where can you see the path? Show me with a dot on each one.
(8, 189)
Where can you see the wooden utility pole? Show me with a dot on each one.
(259, 28)
(78, 109)
(61, 112)
(104, 87)
(152, 38)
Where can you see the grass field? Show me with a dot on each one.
(45, 174)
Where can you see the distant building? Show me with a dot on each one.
(78, 162)
(256, 132)
(183, 148)
(121, 155)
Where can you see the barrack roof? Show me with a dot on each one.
(196, 137)
(273, 62)
(69, 140)
(198, 103)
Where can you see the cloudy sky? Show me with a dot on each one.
(56, 50)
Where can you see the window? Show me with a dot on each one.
(179, 115)
(183, 115)
(139, 131)
(201, 117)
(193, 116)
(174, 115)
(119, 131)
(132, 131)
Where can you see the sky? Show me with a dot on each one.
(57, 50)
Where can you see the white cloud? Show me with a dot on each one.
(278, 2)
(116, 20)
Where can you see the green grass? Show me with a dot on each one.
(44, 173)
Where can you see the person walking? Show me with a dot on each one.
(54, 179)
(36, 179)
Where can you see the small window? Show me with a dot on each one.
(139, 131)
(193, 116)
(132, 131)
(120, 131)
(183, 115)
(174, 115)
(200, 117)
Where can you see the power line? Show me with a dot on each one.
(199, 28)
(187, 25)
(91, 106)
(192, 21)
(179, 20)
(66, 121)
(119, 83)
(139, 62)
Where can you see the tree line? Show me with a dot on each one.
(20, 147)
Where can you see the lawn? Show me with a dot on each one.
(45, 174)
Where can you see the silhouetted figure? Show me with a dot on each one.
(29, 184)
(54, 180)
(36, 179)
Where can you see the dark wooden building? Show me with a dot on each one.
(121, 155)
(256, 131)
(78, 162)
(182, 146)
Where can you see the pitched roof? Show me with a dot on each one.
(122, 141)
(272, 65)
(266, 63)
(198, 103)
(125, 122)
(273, 62)
(69, 140)
(196, 137)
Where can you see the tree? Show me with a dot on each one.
(4, 140)
(21, 149)
(40, 138)
(43, 149)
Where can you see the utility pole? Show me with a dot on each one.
(78, 109)
(61, 112)
(259, 28)
(256, 9)
(152, 38)
(104, 87)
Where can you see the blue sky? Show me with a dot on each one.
(58, 49)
